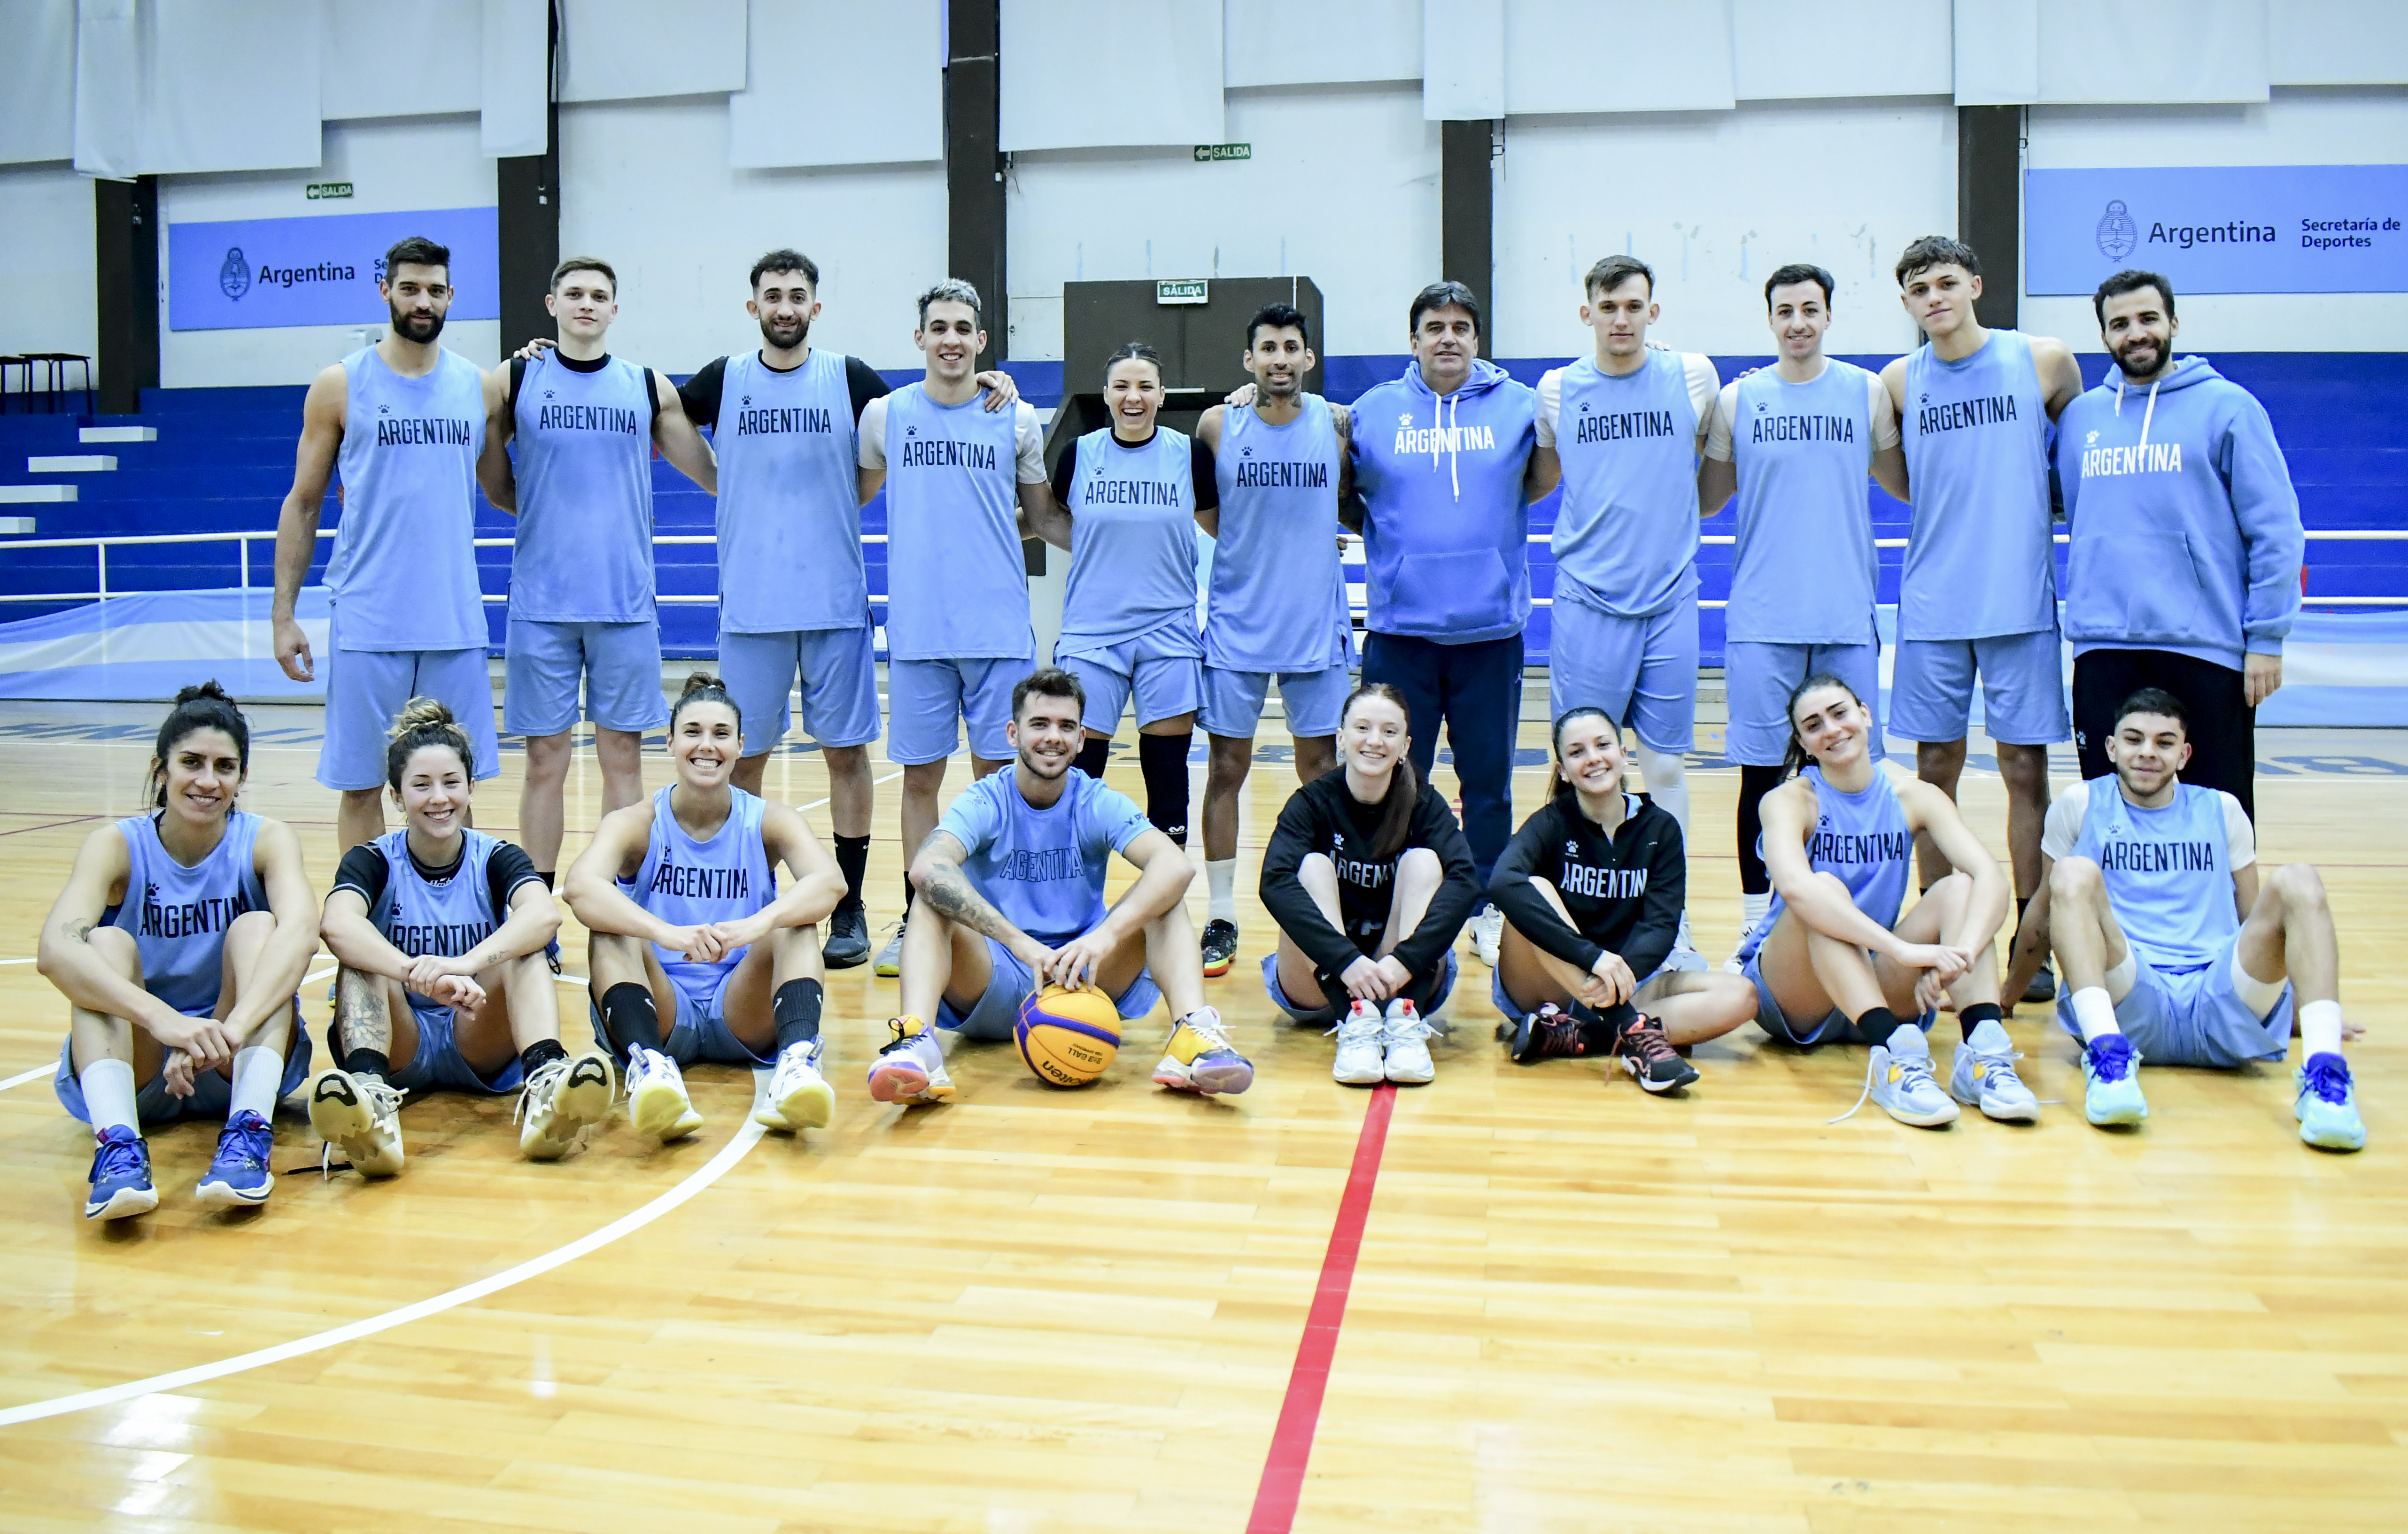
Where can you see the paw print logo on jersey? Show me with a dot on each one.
(1571, 849)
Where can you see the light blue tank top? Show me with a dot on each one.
(583, 554)
(1803, 569)
(957, 581)
(1625, 540)
(178, 916)
(789, 498)
(1278, 593)
(1860, 839)
(421, 916)
(1980, 560)
(404, 572)
(687, 883)
(1132, 543)
(2169, 873)
(1042, 868)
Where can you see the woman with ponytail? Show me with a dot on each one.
(1593, 887)
(441, 931)
(695, 952)
(179, 943)
(1369, 879)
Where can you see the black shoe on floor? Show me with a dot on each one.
(1220, 946)
(1650, 1058)
(848, 940)
(2042, 986)
(1545, 1035)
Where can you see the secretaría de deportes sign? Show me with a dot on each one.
(2219, 229)
(320, 271)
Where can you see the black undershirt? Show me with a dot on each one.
(1205, 479)
(365, 870)
(519, 368)
(701, 393)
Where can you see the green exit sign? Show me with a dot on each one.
(1223, 151)
(318, 191)
(1185, 290)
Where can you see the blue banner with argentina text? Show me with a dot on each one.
(2219, 229)
(320, 271)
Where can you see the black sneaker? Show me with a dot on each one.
(1650, 1058)
(848, 939)
(2042, 986)
(1545, 1035)
(1220, 946)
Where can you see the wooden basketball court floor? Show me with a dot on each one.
(1571, 1307)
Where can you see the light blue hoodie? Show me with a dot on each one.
(1445, 531)
(2186, 529)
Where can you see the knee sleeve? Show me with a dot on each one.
(2259, 995)
(1666, 774)
(2126, 973)
(1163, 761)
(1093, 755)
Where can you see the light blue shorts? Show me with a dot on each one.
(1327, 1011)
(701, 1032)
(924, 698)
(1833, 1027)
(438, 1065)
(1012, 983)
(1314, 701)
(1163, 669)
(367, 688)
(212, 1093)
(1641, 671)
(1759, 677)
(619, 662)
(2023, 689)
(2191, 1017)
(839, 684)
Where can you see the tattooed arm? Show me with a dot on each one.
(937, 874)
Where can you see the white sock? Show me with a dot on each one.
(1222, 876)
(2259, 996)
(1752, 908)
(2093, 1012)
(2320, 1032)
(108, 1094)
(258, 1080)
(1666, 774)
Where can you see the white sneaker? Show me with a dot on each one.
(1487, 933)
(657, 1104)
(799, 1097)
(561, 1099)
(1407, 1038)
(1362, 1051)
(363, 1115)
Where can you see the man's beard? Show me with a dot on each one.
(2157, 357)
(780, 338)
(410, 326)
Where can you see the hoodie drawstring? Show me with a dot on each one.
(2150, 415)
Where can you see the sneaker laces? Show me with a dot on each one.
(1412, 1025)
(251, 1137)
(2328, 1077)
(117, 1159)
(1914, 1071)
(2111, 1058)
(1211, 1030)
(901, 1039)
(1645, 1037)
(1555, 1035)
(544, 1082)
(1358, 1025)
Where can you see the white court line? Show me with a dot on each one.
(701, 1177)
(20, 961)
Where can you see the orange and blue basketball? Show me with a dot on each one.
(1068, 1038)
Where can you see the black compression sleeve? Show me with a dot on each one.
(505, 871)
(518, 381)
(1208, 479)
(700, 394)
(864, 383)
(363, 869)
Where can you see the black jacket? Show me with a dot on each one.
(1625, 891)
(1323, 817)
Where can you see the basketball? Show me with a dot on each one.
(1068, 1038)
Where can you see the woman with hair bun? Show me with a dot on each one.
(679, 895)
(440, 931)
(179, 943)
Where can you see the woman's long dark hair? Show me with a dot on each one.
(204, 707)
(1557, 784)
(1404, 783)
(1795, 758)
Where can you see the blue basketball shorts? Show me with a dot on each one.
(2189, 1015)
(1011, 982)
(1163, 670)
(700, 1031)
(1758, 679)
(1313, 700)
(438, 1065)
(839, 684)
(2023, 689)
(212, 1093)
(1833, 1027)
(924, 698)
(367, 688)
(620, 664)
(1641, 671)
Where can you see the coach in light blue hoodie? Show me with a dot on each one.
(2187, 544)
(1442, 464)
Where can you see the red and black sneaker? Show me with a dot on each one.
(1545, 1035)
(1649, 1056)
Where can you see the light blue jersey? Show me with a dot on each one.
(1277, 601)
(1980, 561)
(1860, 840)
(957, 581)
(445, 917)
(178, 916)
(404, 569)
(1132, 542)
(789, 498)
(1803, 569)
(1044, 868)
(687, 883)
(583, 554)
(2169, 871)
(1625, 541)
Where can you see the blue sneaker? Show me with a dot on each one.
(2326, 1108)
(120, 1176)
(239, 1178)
(1900, 1078)
(2111, 1067)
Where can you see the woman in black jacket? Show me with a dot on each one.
(1369, 879)
(1592, 887)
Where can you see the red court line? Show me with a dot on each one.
(1283, 1482)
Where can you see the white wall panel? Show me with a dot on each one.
(1463, 60)
(1997, 52)
(45, 261)
(647, 186)
(1086, 73)
(628, 49)
(38, 69)
(838, 84)
(1279, 42)
(1842, 47)
(2153, 51)
(364, 74)
(1343, 187)
(2338, 42)
(1617, 56)
(515, 80)
(108, 87)
(232, 85)
(1715, 202)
